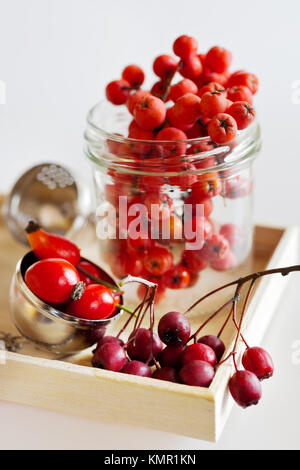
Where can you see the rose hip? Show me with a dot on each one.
(96, 303)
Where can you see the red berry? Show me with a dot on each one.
(150, 112)
(134, 75)
(215, 248)
(177, 277)
(138, 241)
(174, 329)
(160, 292)
(171, 356)
(110, 356)
(110, 339)
(165, 66)
(173, 134)
(198, 130)
(48, 245)
(182, 88)
(184, 46)
(258, 361)
(237, 186)
(243, 113)
(214, 343)
(224, 264)
(132, 264)
(193, 261)
(210, 87)
(159, 205)
(176, 122)
(166, 373)
(137, 368)
(191, 67)
(91, 268)
(218, 59)
(136, 132)
(197, 373)
(96, 303)
(199, 352)
(234, 234)
(186, 175)
(240, 93)
(208, 76)
(134, 99)
(197, 230)
(245, 388)
(244, 78)
(52, 280)
(118, 91)
(213, 103)
(222, 128)
(208, 186)
(140, 346)
(159, 90)
(158, 260)
(187, 109)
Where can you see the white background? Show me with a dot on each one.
(56, 57)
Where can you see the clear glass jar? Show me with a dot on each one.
(202, 198)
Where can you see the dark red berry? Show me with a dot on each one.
(166, 373)
(171, 356)
(140, 347)
(137, 368)
(214, 343)
(258, 361)
(198, 373)
(110, 356)
(245, 388)
(199, 352)
(174, 329)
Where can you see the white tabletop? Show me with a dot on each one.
(56, 58)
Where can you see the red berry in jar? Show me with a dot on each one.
(218, 59)
(165, 66)
(158, 260)
(199, 352)
(228, 261)
(258, 361)
(213, 103)
(193, 261)
(118, 91)
(184, 46)
(177, 277)
(208, 186)
(215, 248)
(134, 75)
(110, 356)
(245, 388)
(48, 245)
(140, 346)
(172, 134)
(52, 280)
(182, 88)
(237, 186)
(243, 114)
(96, 303)
(222, 128)
(197, 373)
(160, 90)
(214, 343)
(244, 78)
(136, 132)
(234, 234)
(174, 329)
(149, 112)
(135, 98)
(187, 109)
(240, 93)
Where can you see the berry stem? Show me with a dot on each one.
(97, 279)
(126, 309)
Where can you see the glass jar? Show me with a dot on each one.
(178, 213)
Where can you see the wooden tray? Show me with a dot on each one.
(73, 386)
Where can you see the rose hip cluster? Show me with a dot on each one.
(61, 278)
(208, 101)
(210, 104)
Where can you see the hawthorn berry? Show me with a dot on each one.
(258, 361)
(118, 91)
(214, 343)
(222, 128)
(174, 329)
(184, 46)
(166, 373)
(110, 356)
(193, 261)
(199, 352)
(149, 112)
(243, 114)
(218, 59)
(182, 88)
(245, 388)
(165, 66)
(137, 368)
(141, 345)
(171, 356)
(134, 75)
(197, 373)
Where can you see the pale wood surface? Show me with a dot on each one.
(31, 378)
